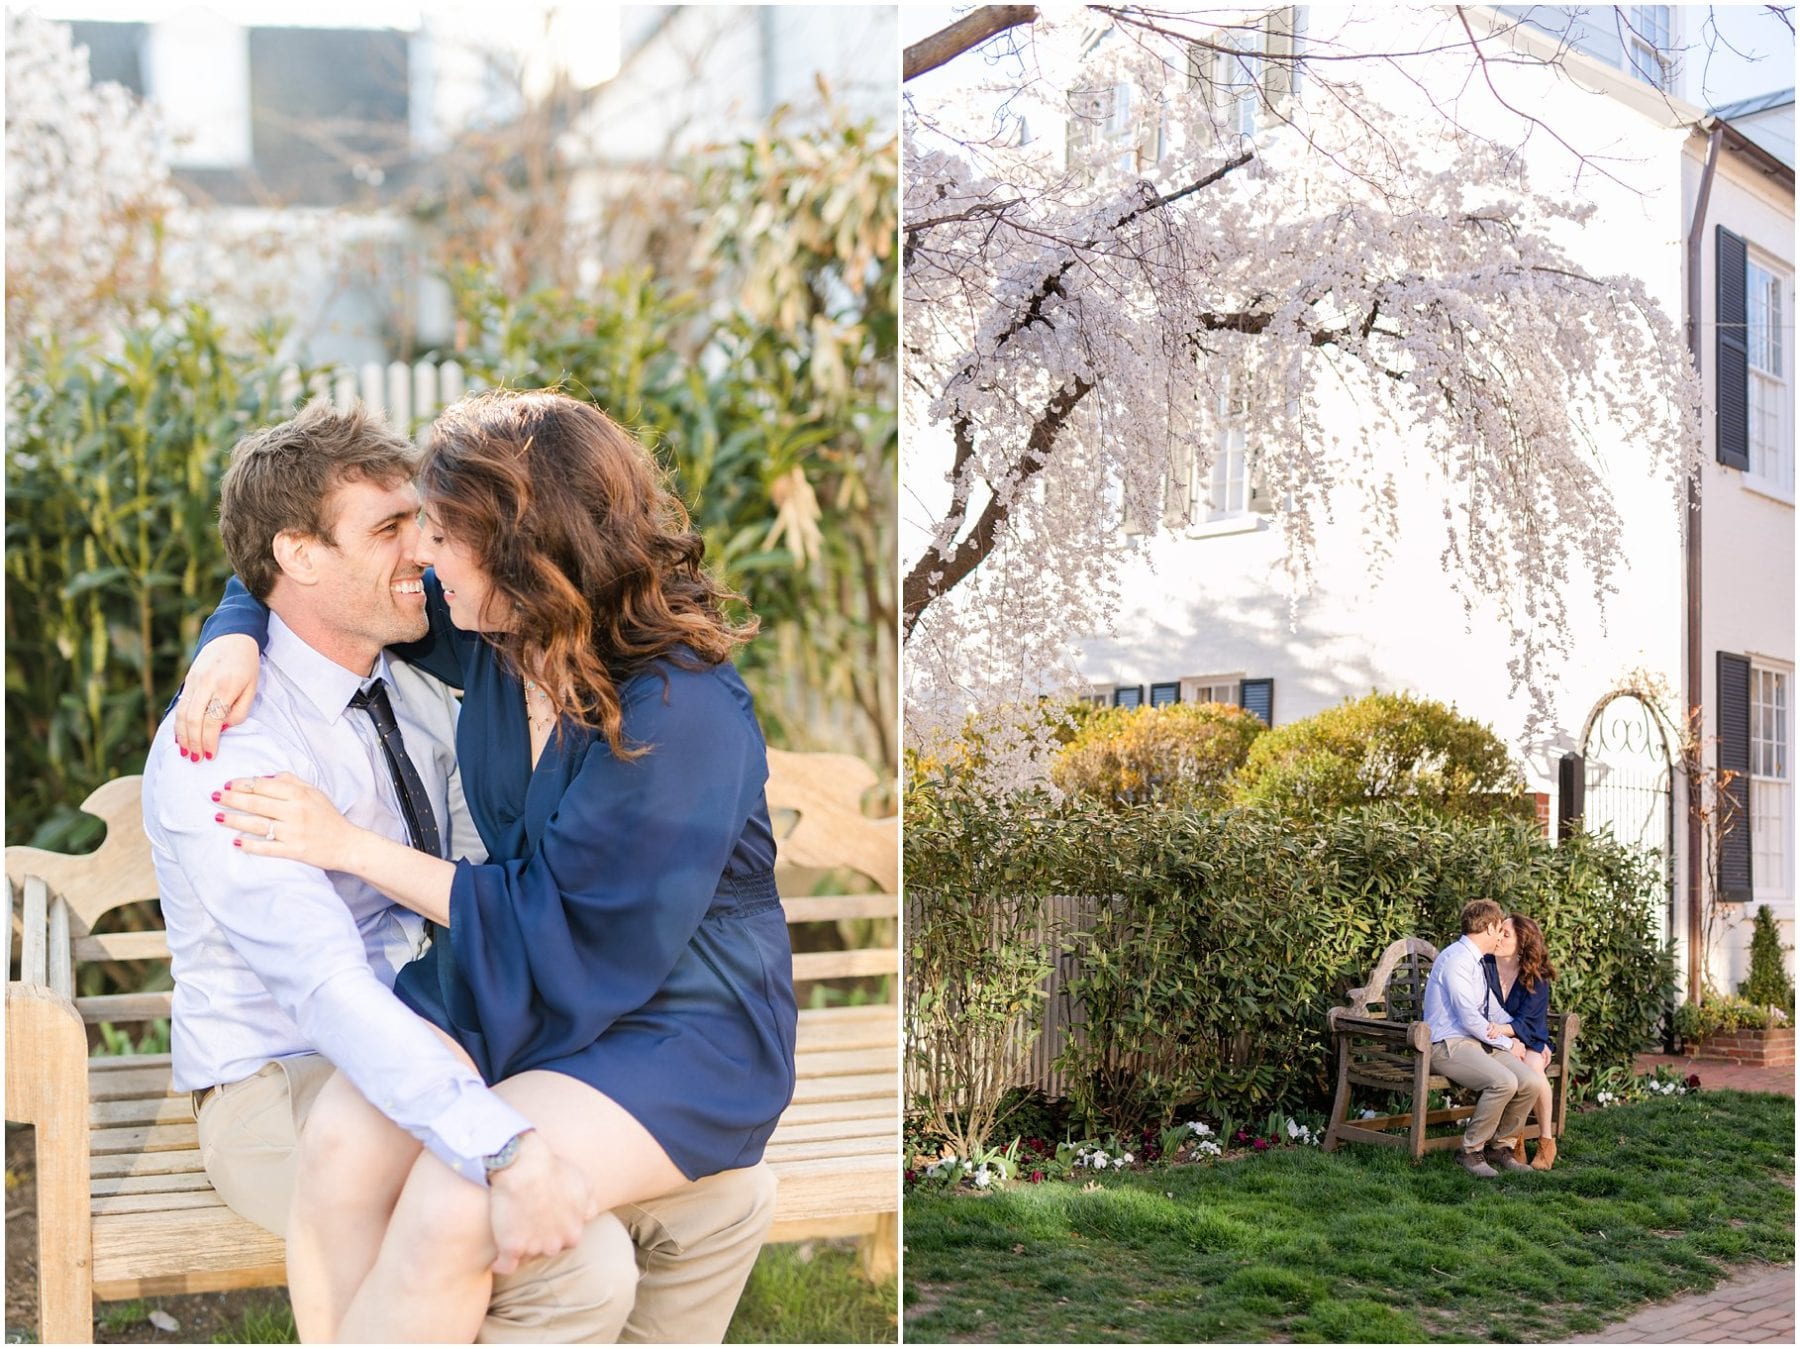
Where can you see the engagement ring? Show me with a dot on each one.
(271, 831)
(218, 707)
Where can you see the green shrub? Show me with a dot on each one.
(1768, 984)
(1696, 1021)
(1385, 747)
(113, 556)
(1220, 939)
(1181, 755)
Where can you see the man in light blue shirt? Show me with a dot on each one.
(283, 971)
(1457, 1009)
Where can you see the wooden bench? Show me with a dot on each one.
(1383, 1044)
(124, 1208)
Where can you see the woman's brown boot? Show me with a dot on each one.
(1546, 1154)
(1519, 1149)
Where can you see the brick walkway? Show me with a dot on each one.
(1719, 1073)
(1756, 1306)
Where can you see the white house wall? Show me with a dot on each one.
(1748, 534)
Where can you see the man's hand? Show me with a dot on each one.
(1518, 1051)
(1543, 1058)
(540, 1205)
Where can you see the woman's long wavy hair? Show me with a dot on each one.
(571, 520)
(1534, 955)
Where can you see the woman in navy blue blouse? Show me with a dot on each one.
(621, 963)
(1519, 975)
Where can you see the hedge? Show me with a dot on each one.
(1205, 973)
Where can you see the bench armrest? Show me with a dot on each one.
(1408, 1034)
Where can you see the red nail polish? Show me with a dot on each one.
(227, 786)
(209, 754)
(219, 819)
(182, 752)
(237, 842)
(215, 796)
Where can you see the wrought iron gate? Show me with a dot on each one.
(1628, 780)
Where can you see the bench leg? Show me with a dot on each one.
(46, 1081)
(1421, 1105)
(880, 1249)
(1340, 1105)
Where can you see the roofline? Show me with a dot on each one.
(1737, 142)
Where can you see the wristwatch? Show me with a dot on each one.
(508, 1154)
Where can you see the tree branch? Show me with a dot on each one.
(932, 575)
(971, 30)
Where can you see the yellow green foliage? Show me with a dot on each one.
(1387, 746)
(1180, 755)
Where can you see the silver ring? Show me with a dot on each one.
(271, 834)
(218, 707)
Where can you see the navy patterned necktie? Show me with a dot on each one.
(415, 804)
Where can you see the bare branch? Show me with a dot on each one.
(970, 31)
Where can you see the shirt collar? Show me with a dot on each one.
(324, 683)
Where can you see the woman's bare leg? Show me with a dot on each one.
(353, 1162)
(431, 1281)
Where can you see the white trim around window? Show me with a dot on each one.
(1768, 297)
(1772, 780)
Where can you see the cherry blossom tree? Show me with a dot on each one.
(1078, 325)
(88, 190)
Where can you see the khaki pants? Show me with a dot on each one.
(667, 1271)
(1507, 1087)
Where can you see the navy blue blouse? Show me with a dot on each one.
(626, 930)
(1528, 1008)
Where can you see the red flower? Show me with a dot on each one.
(1693, 1082)
(1036, 1177)
(912, 1177)
(1260, 1144)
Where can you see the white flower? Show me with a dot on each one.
(983, 1178)
(1200, 1130)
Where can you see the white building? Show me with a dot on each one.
(1204, 615)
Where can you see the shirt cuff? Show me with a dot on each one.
(478, 1127)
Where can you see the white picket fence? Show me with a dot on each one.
(409, 396)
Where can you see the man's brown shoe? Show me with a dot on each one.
(1546, 1155)
(1474, 1165)
(1502, 1158)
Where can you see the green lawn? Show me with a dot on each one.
(1646, 1201)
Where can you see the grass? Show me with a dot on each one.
(1646, 1201)
(813, 1294)
(269, 1322)
(117, 1317)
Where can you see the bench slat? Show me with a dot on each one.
(195, 1250)
(124, 1007)
(120, 1063)
(62, 966)
(856, 1107)
(160, 1138)
(34, 939)
(826, 908)
(840, 1062)
(168, 1162)
(172, 1182)
(123, 1084)
(887, 1145)
(161, 1110)
(850, 1032)
(837, 1128)
(123, 946)
(846, 1086)
(157, 1203)
(854, 964)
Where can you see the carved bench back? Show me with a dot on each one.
(1396, 990)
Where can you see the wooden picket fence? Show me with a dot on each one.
(409, 396)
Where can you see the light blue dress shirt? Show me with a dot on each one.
(1456, 997)
(274, 958)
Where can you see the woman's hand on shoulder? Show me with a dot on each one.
(218, 693)
(283, 816)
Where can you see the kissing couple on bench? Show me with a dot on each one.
(1487, 1001)
(497, 1052)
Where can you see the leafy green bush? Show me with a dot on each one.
(1696, 1021)
(1385, 747)
(1181, 755)
(1768, 984)
(979, 946)
(113, 555)
(1219, 940)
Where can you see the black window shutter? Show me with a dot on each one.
(1258, 696)
(1128, 695)
(1732, 375)
(1161, 695)
(1734, 757)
